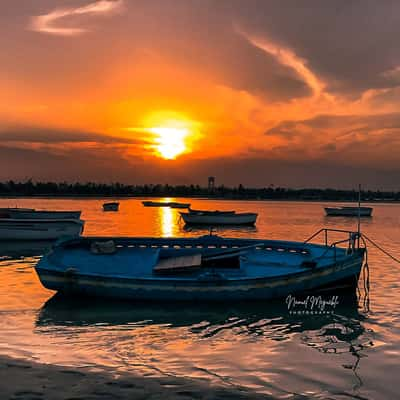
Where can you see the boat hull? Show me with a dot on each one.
(213, 289)
(348, 211)
(179, 205)
(165, 204)
(111, 206)
(219, 219)
(38, 214)
(35, 229)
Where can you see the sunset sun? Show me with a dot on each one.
(169, 142)
(170, 134)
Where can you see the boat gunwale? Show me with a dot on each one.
(208, 241)
(309, 273)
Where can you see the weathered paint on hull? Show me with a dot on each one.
(211, 290)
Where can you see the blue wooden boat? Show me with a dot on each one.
(208, 268)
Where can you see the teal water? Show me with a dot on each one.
(352, 352)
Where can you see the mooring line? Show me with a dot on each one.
(380, 248)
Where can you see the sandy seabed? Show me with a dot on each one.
(20, 379)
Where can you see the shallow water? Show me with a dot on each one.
(350, 353)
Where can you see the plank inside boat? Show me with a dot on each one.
(179, 264)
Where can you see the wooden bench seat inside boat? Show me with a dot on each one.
(181, 264)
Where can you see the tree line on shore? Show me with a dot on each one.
(30, 188)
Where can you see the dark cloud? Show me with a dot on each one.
(30, 134)
(347, 140)
(350, 44)
(350, 124)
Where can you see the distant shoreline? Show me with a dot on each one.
(210, 198)
(93, 190)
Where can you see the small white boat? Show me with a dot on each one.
(30, 213)
(347, 211)
(111, 206)
(39, 229)
(219, 218)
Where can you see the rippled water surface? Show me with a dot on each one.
(352, 353)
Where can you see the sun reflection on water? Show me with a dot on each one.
(167, 221)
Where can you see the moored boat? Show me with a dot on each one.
(172, 204)
(30, 213)
(148, 203)
(39, 229)
(210, 212)
(348, 211)
(111, 206)
(218, 218)
(207, 268)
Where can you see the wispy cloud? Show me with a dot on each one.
(51, 23)
(287, 57)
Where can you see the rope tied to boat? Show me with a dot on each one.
(363, 235)
(365, 275)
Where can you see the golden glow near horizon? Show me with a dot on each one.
(172, 133)
(169, 142)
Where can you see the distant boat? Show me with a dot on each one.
(208, 268)
(112, 206)
(347, 211)
(171, 204)
(148, 203)
(179, 205)
(39, 229)
(30, 213)
(219, 218)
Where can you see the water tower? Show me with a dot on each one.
(211, 184)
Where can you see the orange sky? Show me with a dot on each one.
(263, 92)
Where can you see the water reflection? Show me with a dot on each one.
(270, 319)
(259, 346)
(167, 221)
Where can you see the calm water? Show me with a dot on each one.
(352, 353)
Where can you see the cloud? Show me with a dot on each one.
(50, 23)
(348, 45)
(288, 58)
(358, 140)
(35, 134)
(58, 142)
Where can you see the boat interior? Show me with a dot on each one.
(146, 258)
